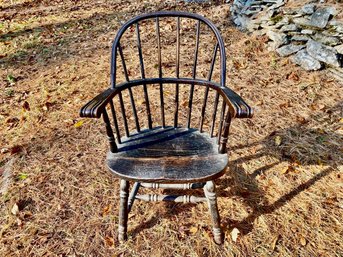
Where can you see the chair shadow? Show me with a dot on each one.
(246, 225)
(171, 210)
(322, 147)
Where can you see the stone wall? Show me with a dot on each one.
(309, 34)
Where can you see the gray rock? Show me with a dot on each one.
(300, 38)
(266, 15)
(257, 3)
(302, 21)
(339, 28)
(289, 11)
(290, 27)
(297, 15)
(197, 1)
(266, 25)
(284, 21)
(321, 17)
(323, 53)
(289, 49)
(277, 5)
(337, 73)
(339, 49)
(259, 33)
(306, 61)
(293, 33)
(241, 21)
(252, 26)
(326, 40)
(330, 33)
(252, 11)
(278, 39)
(307, 32)
(337, 25)
(308, 8)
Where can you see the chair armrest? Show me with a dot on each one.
(95, 107)
(240, 107)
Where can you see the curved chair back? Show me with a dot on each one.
(132, 27)
(194, 68)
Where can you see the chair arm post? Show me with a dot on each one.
(109, 131)
(226, 129)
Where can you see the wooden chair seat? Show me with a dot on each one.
(174, 155)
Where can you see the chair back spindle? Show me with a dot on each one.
(160, 70)
(204, 34)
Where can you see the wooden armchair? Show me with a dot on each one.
(172, 153)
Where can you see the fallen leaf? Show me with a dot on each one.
(22, 176)
(26, 106)
(12, 120)
(19, 222)
(321, 106)
(15, 209)
(234, 234)
(193, 230)
(303, 241)
(69, 122)
(293, 76)
(109, 241)
(140, 102)
(78, 124)
(4, 150)
(46, 107)
(278, 140)
(274, 241)
(285, 105)
(207, 236)
(167, 93)
(184, 103)
(319, 162)
(106, 210)
(16, 149)
(28, 215)
(321, 131)
(301, 120)
(289, 169)
(331, 200)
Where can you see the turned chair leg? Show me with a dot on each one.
(123, 210)
(211, 196)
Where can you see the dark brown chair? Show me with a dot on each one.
(167, 155)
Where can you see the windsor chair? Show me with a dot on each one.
(167, 156)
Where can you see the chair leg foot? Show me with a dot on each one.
(211, 196)
(123, 211)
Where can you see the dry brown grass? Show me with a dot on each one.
(286, 200)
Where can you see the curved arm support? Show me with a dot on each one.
(95, 107)
(239, 108)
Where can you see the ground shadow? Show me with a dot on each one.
(170, 210)
(246, 225)
(66, 40)
(303, 145)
